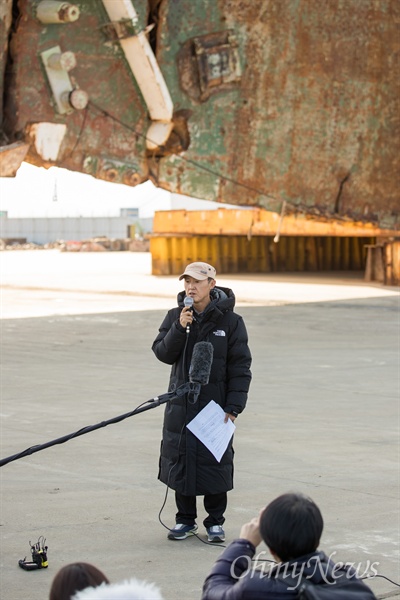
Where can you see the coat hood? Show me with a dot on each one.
(221, 297)
(131, 589)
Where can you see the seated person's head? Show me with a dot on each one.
(291, 526)
(75, 577)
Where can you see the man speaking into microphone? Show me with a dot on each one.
(204, 315)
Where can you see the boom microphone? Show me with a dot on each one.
(200, 367)
(188, 302)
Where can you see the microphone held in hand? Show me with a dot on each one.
(188, 302)
(200, 367)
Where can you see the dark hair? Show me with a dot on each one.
(75, 577)
(291, 526)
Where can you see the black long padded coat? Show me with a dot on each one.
(185, 463)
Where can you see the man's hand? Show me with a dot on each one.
(251, 532)
(229, 416)
(186, 317)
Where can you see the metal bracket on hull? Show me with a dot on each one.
(145, 69)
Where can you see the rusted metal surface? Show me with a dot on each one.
(314, 119)
(5, 26)
(209, 64)
(274, 101)
(106, 139)
(11, 157)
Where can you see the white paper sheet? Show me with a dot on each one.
(209, 427)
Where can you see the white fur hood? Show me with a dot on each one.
(131, 589)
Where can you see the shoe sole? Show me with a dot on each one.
(216, 540)
(182, 537)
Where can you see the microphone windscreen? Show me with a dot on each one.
(188, 301)
(200, 367)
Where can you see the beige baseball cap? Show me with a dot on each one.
(199, 270)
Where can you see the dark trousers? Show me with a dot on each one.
(214, 504)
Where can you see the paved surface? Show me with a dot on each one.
(322, 418)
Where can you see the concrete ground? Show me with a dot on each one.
(322, 418)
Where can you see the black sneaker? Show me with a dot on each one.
(216, 534)
(181, 531)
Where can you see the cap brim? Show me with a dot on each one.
(194, 275)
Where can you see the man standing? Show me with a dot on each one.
(186, 465)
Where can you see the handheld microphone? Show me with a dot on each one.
(188, 302)
(200, 367)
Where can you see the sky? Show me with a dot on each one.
(54, 192)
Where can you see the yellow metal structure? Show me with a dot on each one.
(259, 241)
(259, 254)
(392, 263)
(257, 221)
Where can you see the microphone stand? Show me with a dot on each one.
(190, 387)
